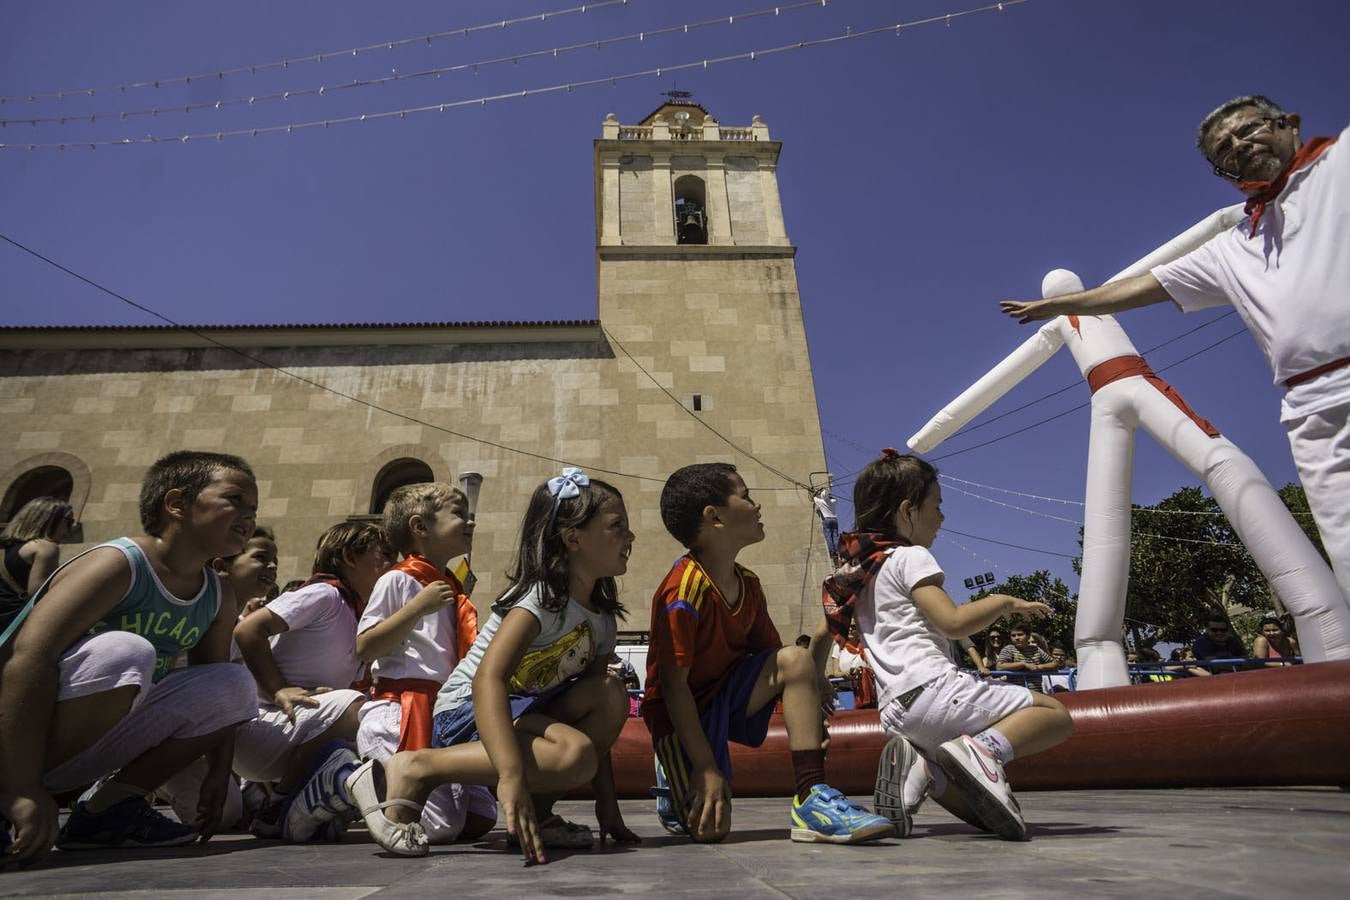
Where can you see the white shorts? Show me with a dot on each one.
(186, 703)
(263, 747)
(449, 805)
(953, 704)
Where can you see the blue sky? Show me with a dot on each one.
(924, 177)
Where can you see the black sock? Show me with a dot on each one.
(808, 767)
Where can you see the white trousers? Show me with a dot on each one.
(1321, 447)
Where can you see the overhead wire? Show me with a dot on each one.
(437, 72)
(1136, 507)
(796, 483)
(1082, 405)
(317, 384)
(566, 87)
(463, 31)
(972, 426)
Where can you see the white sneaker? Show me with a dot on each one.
(324, 796)
(902, 785)
(979, 776)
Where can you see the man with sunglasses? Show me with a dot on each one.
(1286, 268)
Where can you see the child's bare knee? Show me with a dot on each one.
(795, 664)
(577, 759)
(614, 698)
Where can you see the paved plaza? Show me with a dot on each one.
(1196, 844)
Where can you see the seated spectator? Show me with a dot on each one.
(1152, 672)
(1039, 640)
(1218, 641)
(1186, 656)
(1023, 656)
(993, 645)
(1274, 643)
(964, 651)
(1060, 654)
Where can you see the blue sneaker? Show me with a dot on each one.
(130, 822)
(324, 797)
(827, 816)
(665, 803)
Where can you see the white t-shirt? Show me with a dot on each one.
(906, 650)
(319, 649)
(428, 651)
(1290, 283)
(847, 659)
(569, 640)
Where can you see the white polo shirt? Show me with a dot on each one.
(1290, 283)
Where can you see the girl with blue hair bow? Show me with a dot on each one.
(530, 708)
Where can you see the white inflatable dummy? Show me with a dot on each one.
(1281, 550)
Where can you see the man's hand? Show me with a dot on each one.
(211, 803)
(433, 598)
(611, 823)
(35, 820)
(517, 808)
(1025, 311)
(288, 698)
(709, 805)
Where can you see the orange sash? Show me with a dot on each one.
(466, 615)
(416, 697)
(1105, 373)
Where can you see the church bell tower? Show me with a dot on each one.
(697, 284)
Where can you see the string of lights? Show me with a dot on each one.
(567, 87)
(347, 52)
(474, 67)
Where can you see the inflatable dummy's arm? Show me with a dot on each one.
(1042, 345)
(975, 399)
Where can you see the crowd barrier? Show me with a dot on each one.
(1269, 727)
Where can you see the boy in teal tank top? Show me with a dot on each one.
(86, 694)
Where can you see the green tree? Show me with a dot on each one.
(1048, 589)
(1186, 564)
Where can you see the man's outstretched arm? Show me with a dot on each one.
(1112, 297)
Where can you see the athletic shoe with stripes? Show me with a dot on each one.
(902, 785)
(975, 772)
(827, 816)
(324, 796)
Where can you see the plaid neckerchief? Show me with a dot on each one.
(861, 554)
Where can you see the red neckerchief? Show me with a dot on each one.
(346, 593)
(466, 615)
(1269, 190)
(861, 554)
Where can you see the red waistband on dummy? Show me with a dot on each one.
(416, 696)
(1323, 369)
(1105, 373)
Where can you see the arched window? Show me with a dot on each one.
(691, 210)
(396, 474)
(43, 481)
